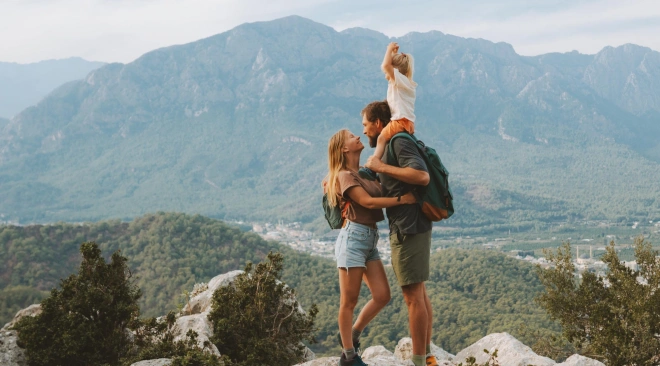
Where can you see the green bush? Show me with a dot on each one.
(93, 319)
(85, 321)
(258, 321)
(614, 317)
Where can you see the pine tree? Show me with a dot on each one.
(258, 321)
(615, 317)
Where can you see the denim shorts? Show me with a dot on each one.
(356, 245)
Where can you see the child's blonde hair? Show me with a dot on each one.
(336, 162)
(405, 63)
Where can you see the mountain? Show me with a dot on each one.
(236, 126)
(23, 85)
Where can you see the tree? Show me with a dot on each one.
(614, 317)
(84, 322)
(93, 319)
(258, 321)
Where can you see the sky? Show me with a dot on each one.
(123, 30)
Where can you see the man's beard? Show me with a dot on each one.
(373, 141)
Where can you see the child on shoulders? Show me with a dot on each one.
(398, 69)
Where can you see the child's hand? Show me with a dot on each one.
(408, 199)
(393, 47)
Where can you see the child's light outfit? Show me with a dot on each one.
(401, 99)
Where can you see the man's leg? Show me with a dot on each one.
(376, 280)
(418, 315)
(429, 312)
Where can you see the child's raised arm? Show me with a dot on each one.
(387, 67)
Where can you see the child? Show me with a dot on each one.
(398, 69)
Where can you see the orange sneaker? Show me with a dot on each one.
(431, 361)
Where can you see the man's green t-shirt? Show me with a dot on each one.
(404, 219)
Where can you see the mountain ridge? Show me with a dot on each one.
(234, 126)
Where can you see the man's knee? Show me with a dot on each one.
(413, 294)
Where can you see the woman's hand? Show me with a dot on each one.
(408, 199)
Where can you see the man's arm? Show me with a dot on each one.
(407, 175)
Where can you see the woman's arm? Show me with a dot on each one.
(386, 66)
(358, 195)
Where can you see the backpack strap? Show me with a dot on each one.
(406, 135)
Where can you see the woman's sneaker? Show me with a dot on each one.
(356, 361)
(366, 173)
(356, 344)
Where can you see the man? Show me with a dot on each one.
(410, 230)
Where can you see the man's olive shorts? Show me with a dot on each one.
(410, 257)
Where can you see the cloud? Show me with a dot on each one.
(122, 30)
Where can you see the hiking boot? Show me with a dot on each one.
(431, 361)
(356, 361)
(356, 344)
(366, 173)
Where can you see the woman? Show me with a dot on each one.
(355, 250)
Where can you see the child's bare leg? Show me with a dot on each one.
(380, 147)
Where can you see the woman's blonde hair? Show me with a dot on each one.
(405, 63)
(336, 162)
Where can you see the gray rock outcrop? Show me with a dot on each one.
(157, 362)
(32, 310)
(10, 353)
(511, 352)
(577, 360)
(202, 294)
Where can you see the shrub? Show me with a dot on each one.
(614, 317)
(84, 322)
(257, 320)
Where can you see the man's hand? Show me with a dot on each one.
(374, 164)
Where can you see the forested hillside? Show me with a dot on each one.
(473, 292)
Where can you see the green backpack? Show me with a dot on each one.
(334, 215)
(436, 197)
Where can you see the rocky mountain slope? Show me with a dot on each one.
(23, 85)
(236, 126)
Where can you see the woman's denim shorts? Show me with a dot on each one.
(356, 245)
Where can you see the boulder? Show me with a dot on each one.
(32, 310)
(10, 353)
(379, 355)
(325, 361)
(200, 324)
(403, 351)
(511, 352)
(577, 360)
(157, 362)
(203, 293)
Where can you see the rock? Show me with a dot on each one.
(308, 355)
(200, 324)
(201, 302)
(577, 360)
(379, 355)
(10, 353)
(157, 362)
(403, 351)
(325, 361)
(32, 310)
(511, 352)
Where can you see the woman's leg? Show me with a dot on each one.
(376, 280)
(350, 281)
